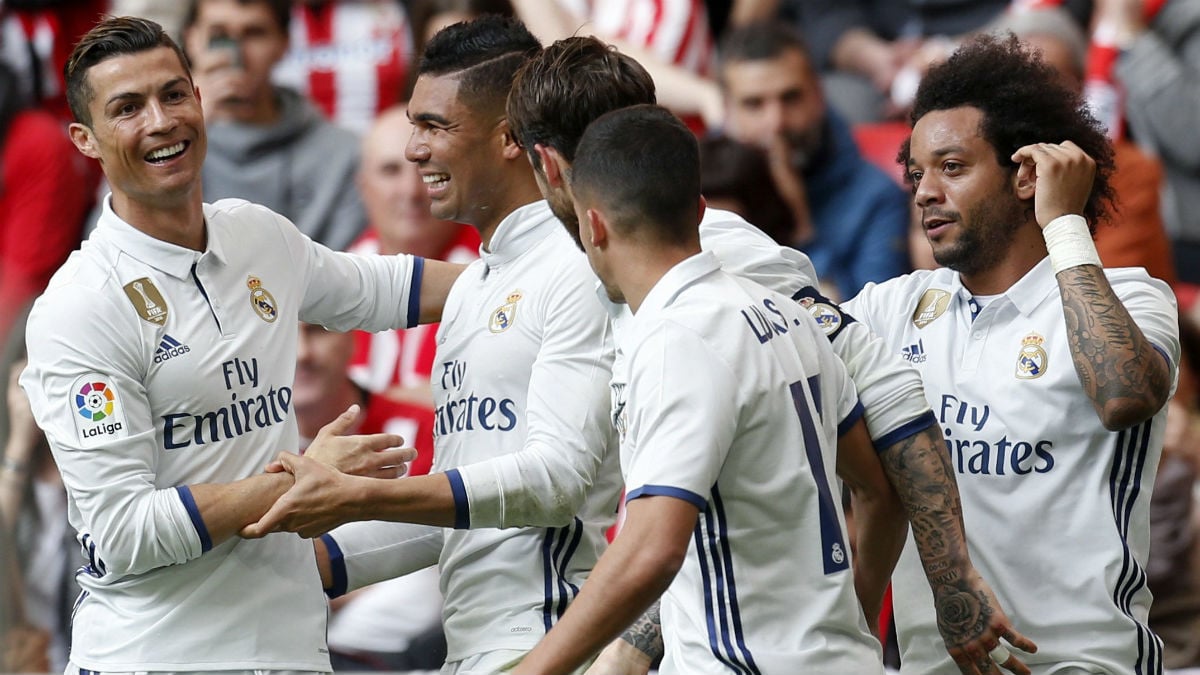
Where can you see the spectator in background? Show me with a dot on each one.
(44, 198)
(395, 624)
(1136, 237)
(430, 16)
(266, 143)
(350, 57)
(849, 216)
(736, 177)
(398, 363)
(1159, 69)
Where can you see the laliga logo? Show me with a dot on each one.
(95, 404)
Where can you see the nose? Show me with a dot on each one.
(927, 191)
(417, 150)
(160, 119)
(772, 118)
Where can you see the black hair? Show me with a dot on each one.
(486, 52)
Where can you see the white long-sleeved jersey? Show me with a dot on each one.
(735, 404)
(520, 393)
(154, 367)
(1056, 507)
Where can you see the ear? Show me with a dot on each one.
(552, 164)
(595, 232)
(512, 149)
(1025, 181)
(84, 140)
(703, 207)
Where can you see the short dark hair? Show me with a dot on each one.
(487, 51)
(758, 41)
(280, 9)
(559, 92)
(114, 36)
(642, 165)
(740, 171)
(1022, 101)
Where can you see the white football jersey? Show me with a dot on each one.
(735, 405)
(154, 367)
(520, 393)
(1056, 507)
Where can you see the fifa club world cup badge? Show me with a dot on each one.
(261, 300)
(505, 315)
(1032, 361)
(147, 300)
(933, 303)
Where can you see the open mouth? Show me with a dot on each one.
(935, 226)
(164, 155)
(435, 181)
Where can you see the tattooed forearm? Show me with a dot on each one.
(646, 633)
(1121, 373)
(919, 468)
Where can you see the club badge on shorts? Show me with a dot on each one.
(1032, 361)
(505, 315)
(261, 300)
(147, 300)
(933, 303)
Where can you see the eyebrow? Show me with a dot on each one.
(940, 152)
(428, 117)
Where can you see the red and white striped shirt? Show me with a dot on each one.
(676, 31)
(350, 57)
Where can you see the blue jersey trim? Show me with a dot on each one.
(906, 430)
(193, 511)
(337, 565)
(462, 506)
(559, 545)
(668, 491)
(414, 291)
(1162, 351)
(855, 415)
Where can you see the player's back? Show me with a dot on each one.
(767, 585)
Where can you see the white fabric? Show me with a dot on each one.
(734, 403)
(386, 617)
(520, 394)
(1055, 506)
(1069, 243)
(202, 394)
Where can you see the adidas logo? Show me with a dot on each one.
(914, 353)
(169, 348)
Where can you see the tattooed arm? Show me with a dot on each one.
(635, 650)
(1125, 378)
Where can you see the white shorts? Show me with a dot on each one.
(489, 663)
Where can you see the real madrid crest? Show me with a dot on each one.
(505, 315)
(1032, 361)
(261, 300)
(147, 300)
(828, 318)
(933, 303)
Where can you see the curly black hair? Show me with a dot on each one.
(1022, 102)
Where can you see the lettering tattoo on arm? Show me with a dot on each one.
(646, 633)
(919, 468)
(1126, 380)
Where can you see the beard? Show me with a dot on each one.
(984, 236)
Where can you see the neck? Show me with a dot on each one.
(521, 190)
(1024, 252)
(642, 267)
(179, 221)
(327, 408)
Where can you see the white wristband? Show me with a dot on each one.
(1069, 243)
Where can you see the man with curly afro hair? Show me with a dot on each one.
(1049, 374)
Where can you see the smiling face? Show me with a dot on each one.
(147, 129)
(460, 153)
(969, 207)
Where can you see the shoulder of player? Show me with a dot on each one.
(903, 290)
(1133, 279)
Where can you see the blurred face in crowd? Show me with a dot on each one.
(775, 98)
(322, 357)
(459, 152)
(147, 129)
(246, 41)
(393, 192)
(969, 208)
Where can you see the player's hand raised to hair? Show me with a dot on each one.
(320, 499)
(1062, 174)
(374, 455)
(972, 623)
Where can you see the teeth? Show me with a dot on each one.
(163, 153)
(435, 178)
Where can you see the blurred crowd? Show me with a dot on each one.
(801, 108)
